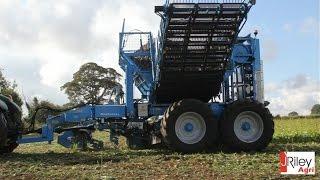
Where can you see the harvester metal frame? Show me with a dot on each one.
(140, 119)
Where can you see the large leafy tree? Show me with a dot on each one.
(91, 84)
(315, 110)
(8, 88)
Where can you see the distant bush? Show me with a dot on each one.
(277, 116)
(315, 110)
(293, 114)
(299, 117)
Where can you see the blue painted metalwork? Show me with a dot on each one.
(65, 139)
(217, 110)
(47, 135)
(158, 109)
(129, 90)
(110, 111)
(244, 76)
(258, 72)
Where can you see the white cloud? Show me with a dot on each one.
(62, 10)
(287, 27)
(310, 25)
(60, 36)
(298, 94)
(269, 49)
(269, 45)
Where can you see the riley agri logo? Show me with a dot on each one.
(297, 163)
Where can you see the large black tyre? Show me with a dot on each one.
(9, 148)
(247, 126)
(6, 145)
(3, 131)
(175, 126)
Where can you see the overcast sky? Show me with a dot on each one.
(43, 42)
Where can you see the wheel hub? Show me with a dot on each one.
(190, 127)
(248, 127)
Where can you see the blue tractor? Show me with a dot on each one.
(200, 84)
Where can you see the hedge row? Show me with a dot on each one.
(299, 117)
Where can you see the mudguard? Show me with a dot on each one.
(10, 106)
(13, 115)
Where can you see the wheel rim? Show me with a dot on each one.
(190, 128)
(248, 126)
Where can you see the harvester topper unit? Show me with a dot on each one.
(200, 83)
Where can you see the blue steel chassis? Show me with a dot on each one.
(100, 116)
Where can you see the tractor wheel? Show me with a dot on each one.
(188, 126)
(6, 146)
(247, 126)
(9, 148)
(3, 131)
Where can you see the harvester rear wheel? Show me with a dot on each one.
(188, 126)
(247, 126)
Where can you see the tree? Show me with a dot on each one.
(315, 110)
(4, 83)
(277, 116)
(91, 84)
(10, 89)
(42, 114)
(293, 114)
